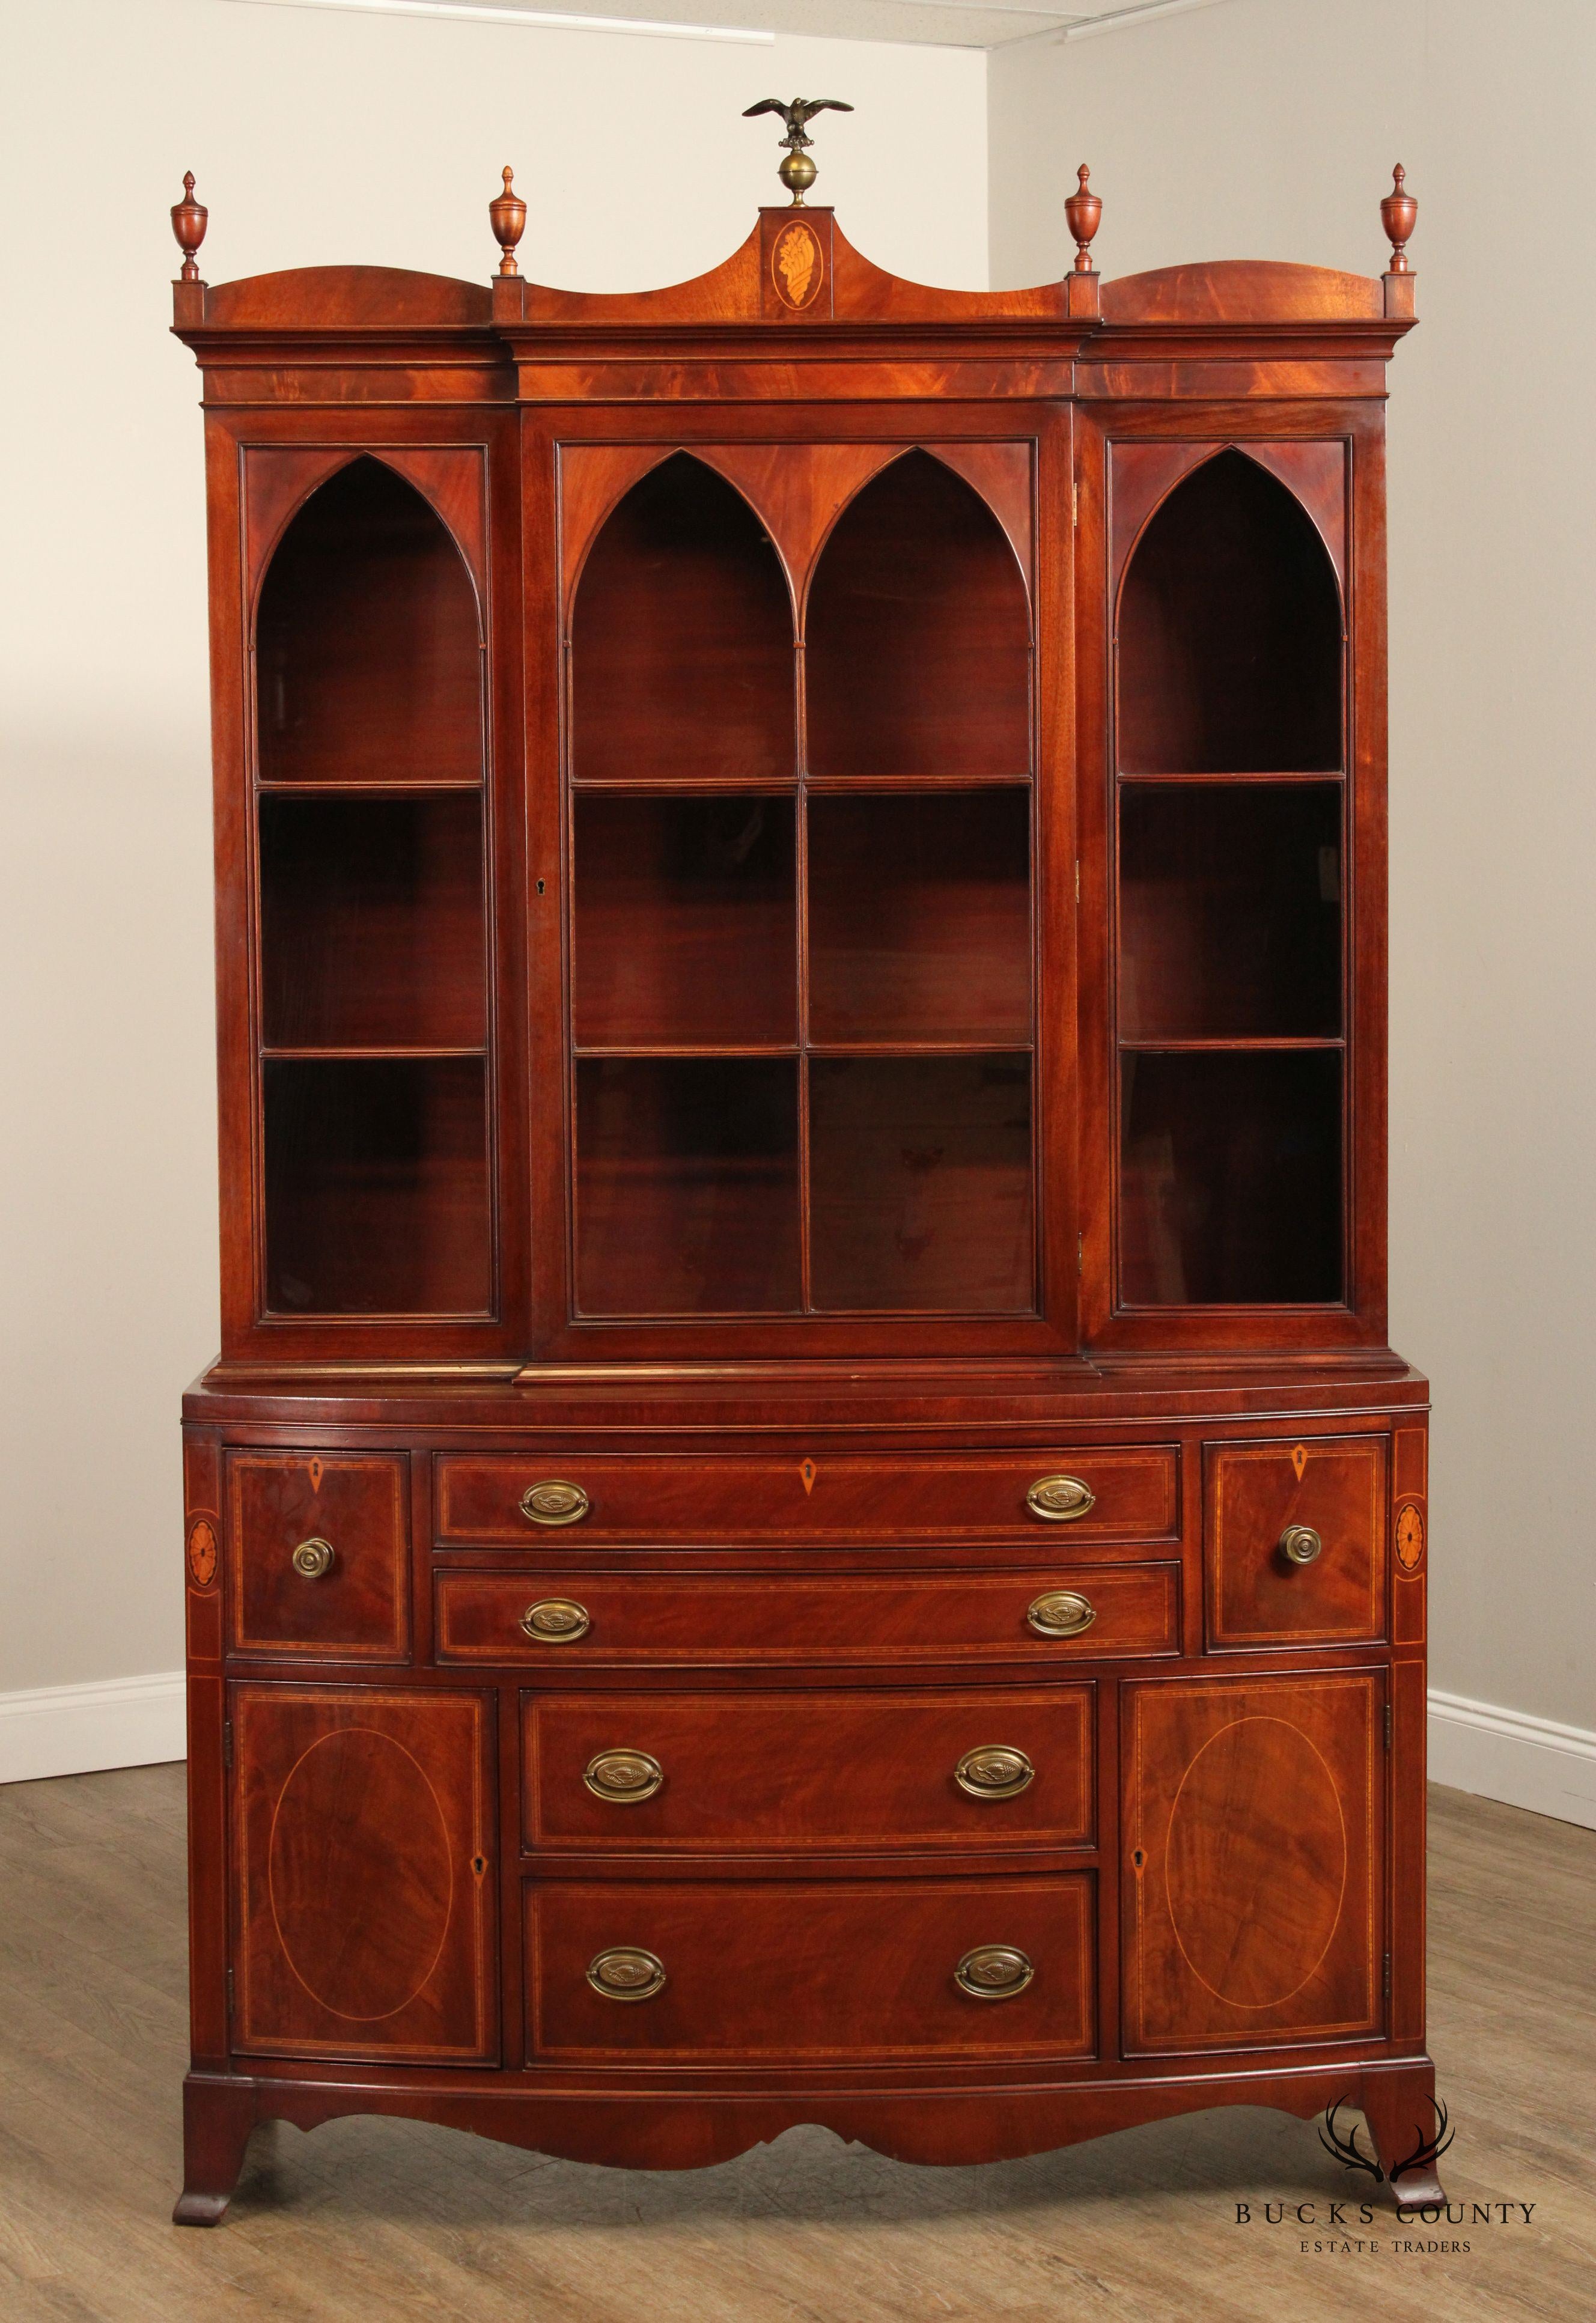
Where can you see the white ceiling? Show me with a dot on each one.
(946, 23)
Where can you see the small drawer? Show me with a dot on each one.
(1046, 1615)
(637, 1772)
(807, 1971)
(317, 1549)
(853, 1498)
(1296, 1547)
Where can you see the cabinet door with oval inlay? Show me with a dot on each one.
(1254, 1840)
(364, 1838)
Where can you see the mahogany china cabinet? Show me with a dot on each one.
(805, 1515)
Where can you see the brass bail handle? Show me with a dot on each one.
(626, 1973)
(1059, 1499)
(556, 1621)
(555, 1502)
(624, 1778)
(995, 1770)
(1060, 1614)
(994, 1972)
(1300, 1544)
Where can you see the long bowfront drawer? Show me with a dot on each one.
(1043, 1615)
(800, 1970)
(1112, 1495)
(633, 1772)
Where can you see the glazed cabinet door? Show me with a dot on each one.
(1254, 1890)
(365, 1924)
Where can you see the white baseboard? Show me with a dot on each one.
(79, 1730)
(138, 1722)
(1506, 1755)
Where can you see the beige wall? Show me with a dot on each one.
(1260, 126)
(316, 136)
(1267, 128)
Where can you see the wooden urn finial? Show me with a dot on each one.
(1083, 210)
(507, 213)
(1398, 214)
(189, 220)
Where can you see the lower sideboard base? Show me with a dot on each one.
(669, 2131)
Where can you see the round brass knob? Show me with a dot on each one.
(553, 1503)
(556, 1621)
(313, 1558)
(995, 1771)
(1061, 1614)
(626, 1972)
(994, 1972)
(1059, 1499)
(623, 1777)
(1300, 1544)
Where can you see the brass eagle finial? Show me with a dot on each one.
(797, 171)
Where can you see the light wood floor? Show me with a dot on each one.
(371, 2219)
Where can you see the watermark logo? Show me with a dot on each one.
(1426, 2153)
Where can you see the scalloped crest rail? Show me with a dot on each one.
(795, 1521)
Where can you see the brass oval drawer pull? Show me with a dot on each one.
(556, 1621)
(626, 1972)
(623, 1777)
(313, 1558)
(1300, 1544)
(555, 1503)
(1059, 1499)
(994, 1972)
(995, 1771)
(1061, 1614)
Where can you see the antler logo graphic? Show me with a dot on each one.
(1426, 2152)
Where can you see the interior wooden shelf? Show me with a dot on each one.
(649, 784)
(924, 779)
(1262, 775)
(625, 1049)
(374, 787)
(419, 1049)
(1267, 1045)
(880, 1048)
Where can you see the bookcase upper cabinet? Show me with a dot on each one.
(798, 816)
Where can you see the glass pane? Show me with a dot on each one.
(683, 661)
(377, 1194)
(687, 1185)
(1230, 1179)
(368, 653)
(919, 1182)
(920, 917)
(686, 928)
(1230, 632)
(1229, 910)
(371, 923)
(919, 634)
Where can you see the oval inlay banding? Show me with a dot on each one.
(360, 1875)
(1257, 1862)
